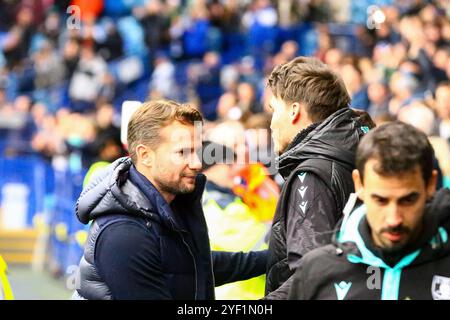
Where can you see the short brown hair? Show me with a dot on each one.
(309, 81)
(151, 117)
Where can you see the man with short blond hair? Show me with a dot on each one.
(148, 238)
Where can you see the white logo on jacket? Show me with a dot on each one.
(302, 191)
(440, 288)
(342, 289)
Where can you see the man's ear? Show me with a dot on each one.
(358, 184)
(295, 112)
(145, 155)
(432, 184)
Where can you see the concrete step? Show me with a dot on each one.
(17, 246)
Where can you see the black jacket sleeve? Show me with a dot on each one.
(310, 223)
(303, 284)
(236, 266)
(128, 259)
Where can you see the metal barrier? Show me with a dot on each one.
(30, 173)
(65, 249)
(51, 195)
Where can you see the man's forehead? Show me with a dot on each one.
(179, 130)
(181, 135)
(402, 182)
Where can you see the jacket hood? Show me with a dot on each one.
(336, 138)
(112, 192)
(434, 236)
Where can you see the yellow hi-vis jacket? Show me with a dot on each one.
(235, 228)
(5, 288)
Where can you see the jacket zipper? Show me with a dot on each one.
(195, 264)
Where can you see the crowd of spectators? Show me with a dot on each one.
(66, 66)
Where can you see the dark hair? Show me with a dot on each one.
(443, 84)
(310, 81)
(398, 147)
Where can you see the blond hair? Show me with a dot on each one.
(151, 117)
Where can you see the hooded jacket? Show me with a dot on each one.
(140, 247)
(317, 167)
(353, 268)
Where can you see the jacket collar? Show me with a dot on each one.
(296, 141)
(335, 138)
(160, 205)
(355, 238)
(112, 191)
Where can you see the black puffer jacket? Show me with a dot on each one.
(325, 152)
(176, 261)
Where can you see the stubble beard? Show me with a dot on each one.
(175, 188)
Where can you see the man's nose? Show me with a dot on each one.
(394, 217)
(195, 163)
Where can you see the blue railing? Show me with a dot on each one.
(51, 194)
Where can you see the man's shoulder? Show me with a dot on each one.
(127, 237)
(320, 259)
(307, 185)
(119, 228)
(312, 170)
(329, 251)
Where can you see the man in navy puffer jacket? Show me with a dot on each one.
(148, 238)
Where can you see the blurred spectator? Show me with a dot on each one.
(106, 146)
(108, 41)
(289, 50)
(107, 91)
(86, 80)
(333, 58)
(17, 42)
(404, 88)
(163, 77)
(441, 57)
(383, 118)
(47, 140)
(239, 104)
(378, 94)
(195, 37)
(247, 100)
(420, 116)
(206, 80)
(48, 66)
(227, 108)
(52, 26)
(71, 53)
(156, 24)
(443, 109)
(107, 132)
(423, 118)
(22, 128)
(352, 76)
(261, 23)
